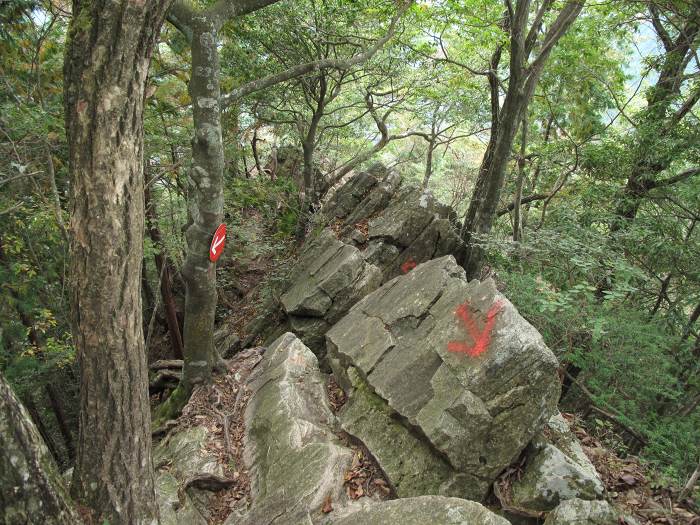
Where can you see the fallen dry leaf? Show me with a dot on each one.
(327, 505)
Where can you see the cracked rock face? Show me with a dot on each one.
(470, 416)
(433, 510)
(330, 277)
(406, 224)
(581, 512)
(295, 461)
(557, 470)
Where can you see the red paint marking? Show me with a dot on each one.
(409, 265)
(217, 243)
(482, 338)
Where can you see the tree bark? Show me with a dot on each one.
(309, 193)
(31, 489)
(205, 199)
(517, 223)
(205, 195)
(105, 70)
(43, 431)
(429, 162)
(59, 413)
(256, 155)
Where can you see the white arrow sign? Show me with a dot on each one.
(217, 242)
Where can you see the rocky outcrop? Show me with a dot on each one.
(405, 225)
(433, 510)
(379, 228)
(557, 470)
(296, 462)
(582, 512)
(466, 416)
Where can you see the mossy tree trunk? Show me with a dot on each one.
(108, 53)
(31, 489)
(205, 192)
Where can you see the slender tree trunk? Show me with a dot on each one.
(690, 485)
(309, 193)
(428, 164)
(59, 413)
(149, 300)
(166, 282)
(662, 293)
(256, 155)
(517, 226)
(106, 65)
(521, 87)
(43, 431)
(482, 207)
(306, 198)
(31, 489)
(206, 202)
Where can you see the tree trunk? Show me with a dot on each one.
(106, 65)
(522, 82)
(517, 223)
(306, 198)
(31, 489)
(43, 431)
(166, 282)
(57, 407)
(206, 203)
(656, 123)
(487, 190)
(256, 155)
(428, 164)
(690, 485)
(309, 193)
(149, 300)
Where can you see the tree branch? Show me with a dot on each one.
(225, 10)
(536, 26)
(317, 65)
(564, 20)
(691, 172)
(525, 200)
(180, 16)
(659, 28)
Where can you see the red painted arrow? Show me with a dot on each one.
(217, 243)
(482, 338)
(409, 265)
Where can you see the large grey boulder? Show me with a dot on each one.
(582, 512)
(472, 414)
(295, 461)
(557, 470)
(424, 510)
